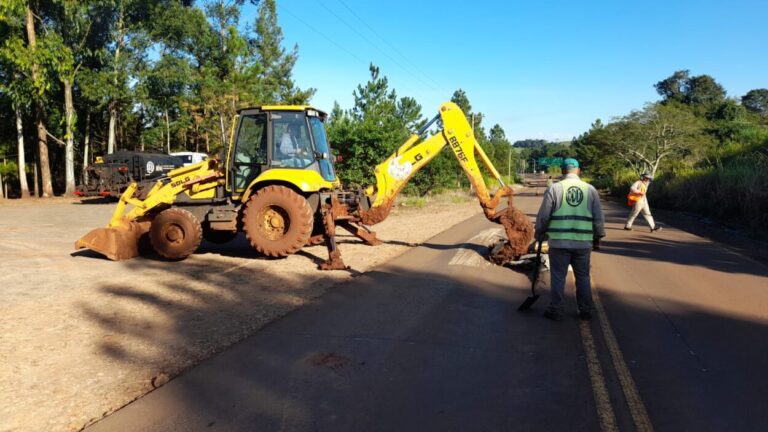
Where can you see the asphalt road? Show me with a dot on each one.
(433, 341)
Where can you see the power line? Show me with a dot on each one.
(392, 47)
(311, 27)
(374, 45)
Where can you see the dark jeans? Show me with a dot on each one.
(579, 260)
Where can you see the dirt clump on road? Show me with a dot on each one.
(82, 336)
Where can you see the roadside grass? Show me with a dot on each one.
(736, 193)
(445, 197)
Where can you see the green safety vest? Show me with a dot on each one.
(573, 220)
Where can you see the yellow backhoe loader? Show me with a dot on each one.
(277, 185)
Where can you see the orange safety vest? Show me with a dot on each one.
(633, 197)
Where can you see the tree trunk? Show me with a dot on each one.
(22, 163)
(167, 133)
(111, 134)
(223, 132)
(69, 149)
(197, 137)
(42, 154)
(42, 138)
(35, 178)
(86, 146)
(113, 104)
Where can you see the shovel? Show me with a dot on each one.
(533, 297)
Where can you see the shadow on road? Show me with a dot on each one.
(440, 348)
(433, 350)
(671, 246)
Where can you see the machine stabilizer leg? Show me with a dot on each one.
(334, 261)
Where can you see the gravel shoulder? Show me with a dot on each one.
(81, 336)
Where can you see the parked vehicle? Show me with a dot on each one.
(189, 158)
(110, 175)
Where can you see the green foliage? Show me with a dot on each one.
(709, 153)
(756, 101)
(368, 133)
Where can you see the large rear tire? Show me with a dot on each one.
(277, 221)
(175, 233)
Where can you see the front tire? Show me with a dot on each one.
(277, 221)
(175, 233)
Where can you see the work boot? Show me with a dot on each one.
(554, 316)
(626, 228)
(585, 316)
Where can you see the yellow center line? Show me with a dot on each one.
(634, 402)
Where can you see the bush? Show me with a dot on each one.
(737, 192)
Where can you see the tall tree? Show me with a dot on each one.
(12, 84)
(692, 90)
(674, 87)
(645, 138)
(704, 90)
(369, 132)
(756, 101)
(70, 25)
(40, 82)
(276, 83)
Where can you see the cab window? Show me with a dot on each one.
(292, 144)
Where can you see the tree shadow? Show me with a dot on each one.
(406, 349)
(95, 200)
(662, 246)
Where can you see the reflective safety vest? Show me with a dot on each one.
(633, 197)
(573, 219)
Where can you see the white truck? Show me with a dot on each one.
(190, 158)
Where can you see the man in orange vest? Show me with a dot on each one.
(639, 203)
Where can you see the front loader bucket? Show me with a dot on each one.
(116, 243)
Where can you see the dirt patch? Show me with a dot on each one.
(81, 336)
(329, 360)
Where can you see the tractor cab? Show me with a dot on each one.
(289, 140)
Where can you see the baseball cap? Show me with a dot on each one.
(569, 163)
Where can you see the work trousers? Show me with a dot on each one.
(641, 207)
(578, 259)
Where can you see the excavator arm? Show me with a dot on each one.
(394, 173)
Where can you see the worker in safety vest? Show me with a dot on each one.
(639, 202)
(571, 217)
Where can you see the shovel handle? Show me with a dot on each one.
(536, 266)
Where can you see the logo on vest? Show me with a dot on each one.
(574, 196)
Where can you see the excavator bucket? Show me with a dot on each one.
(116, 243)
(519, 231)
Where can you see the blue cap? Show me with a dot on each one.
(569, 163)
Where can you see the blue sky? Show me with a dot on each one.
(540, 69)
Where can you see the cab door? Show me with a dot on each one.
(250, 156)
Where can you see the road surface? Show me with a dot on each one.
(432, 341)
